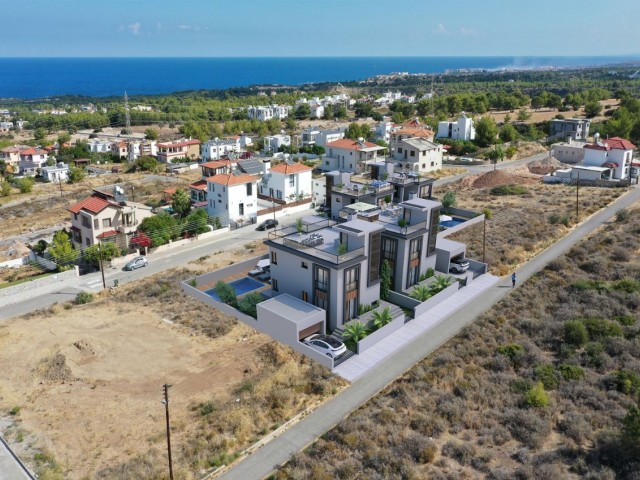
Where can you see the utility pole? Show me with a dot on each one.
(104, 283)
(165, 388)
(577, 197)
(60, 183)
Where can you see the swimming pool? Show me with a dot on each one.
(241, 286)
(452, 223)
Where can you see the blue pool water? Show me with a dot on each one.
(241, 286)
(452, 223)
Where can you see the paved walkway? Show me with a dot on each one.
(263, 462)
(358, 365)
(10, 469)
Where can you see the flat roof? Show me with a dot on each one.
(593, 169)
(362, 207)
(291, 308)
(359, 226)
(449, 245)
(421, 203)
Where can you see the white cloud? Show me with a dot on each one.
(440, 30)
(184, 27)
(467, 31)
(134, 28)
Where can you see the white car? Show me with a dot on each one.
(330, 346)
(459, 265)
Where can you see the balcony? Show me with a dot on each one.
(390, 219)
(357, 190)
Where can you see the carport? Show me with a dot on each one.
(445, 251)
(289, 319)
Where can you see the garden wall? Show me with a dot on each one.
(373, 338)
(187, 241)
(436, 299)
(11, 295)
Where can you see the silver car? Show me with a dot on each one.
(330, 346)
(136, 263)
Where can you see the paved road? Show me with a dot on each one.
(262, 462)
(9, 467)
(158, 262)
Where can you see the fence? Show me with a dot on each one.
(374, 337)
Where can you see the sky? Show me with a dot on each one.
(285, 28)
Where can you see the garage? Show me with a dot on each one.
(310, 331)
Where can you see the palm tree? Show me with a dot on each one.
(381, 318)
(421, 293)
(440, 283)
(355, 331)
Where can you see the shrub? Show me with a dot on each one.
(627, 382)
(449, 199)
(511, 350)
(622, 215)
(510, 189)
(547, 375)
(355, 331)
(25, 185)
(226, 293)
(626, 320)
(571, 372)
(5, 189)
(575, 333)
(248, 304)
(554, 218)
(382, 318)
(83, 297)
(487, 213)
(627, 285)
(599, 328)
(536, 397)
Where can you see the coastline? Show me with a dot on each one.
(33, 78)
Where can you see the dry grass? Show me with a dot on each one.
(463, 412)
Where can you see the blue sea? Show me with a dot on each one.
(43, 77)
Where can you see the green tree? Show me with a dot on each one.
(631, 428)
(523, 115)
(449, 199)
(107, 250)
(40, 134)
(196, 221)
(508, 133)
(226, 293)
(496, 155)
(381, 318)
(511, 151)
(303, 111)
(486, 131)
(76, 175)
(536, 397)
(592, 109)
(355, 331)
(61, 249)
(385, 280)
(144, 164)
(5, 189)
(363, 110)
(160, 228)
(248, 304)
(507, 119)
(358, 130)
(63, 138)
(181, 203)
(25, 185)
(340, 112)
(151, 134)
(575, 333)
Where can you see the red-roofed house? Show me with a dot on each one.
(11, 157)
(232, 198)
(32, 159)
(104, 217)
(187, 149)
(350, 155)
(615, 153)
(286, 181)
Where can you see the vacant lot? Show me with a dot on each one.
(541, 387)
(521, 224)
(86, 381)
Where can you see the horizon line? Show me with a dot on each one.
(324, 56)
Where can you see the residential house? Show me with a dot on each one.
(571, 151)
(384, 129)
(264, 113)
(31, 160)
(337, 266)
(6, 126)
(219, 148)
(183, 149)
(272, 143)
(57, 174)
(137, 149)
(407, 184)
(120, 149)
(106, 216)
(417, 155)
(100, 146)
(314, 136)
(319, 190)
(570, 128)
(411, 129)
(461, 129)
(198, 190)
(349, 155)
(287, 182)
(11, 157)
(614, 153)
(232, 198)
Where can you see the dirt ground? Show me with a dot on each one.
(545, 114)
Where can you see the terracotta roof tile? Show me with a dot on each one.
(216, 164)
(107, 234)
(347, 144)
(91, 204)
(230, 180)
(199, 185)
(288, 169)
(614, 143)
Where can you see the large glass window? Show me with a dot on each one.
(389, 253)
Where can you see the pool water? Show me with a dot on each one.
(452, 223)
(241, 286)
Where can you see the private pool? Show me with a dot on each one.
(241, 286)
(452, 222)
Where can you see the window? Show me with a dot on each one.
(86, 221)
(274, 258)
(292, 180)
(213, 187)
(424, 165)
(389, 253)
(399, 149)
(374, 257)
(413, 153)
(351, 279)
(321, 279)
(106, 222)
(279, 194)
(415, 246)
(249, 189)
(241, 209)
(274, 284)
(433, 164)
(305, 296)
(304, 265)
(75, 216)
(87, 241)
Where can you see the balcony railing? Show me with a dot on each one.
(358, 190)
(390, 222)
(324, 254)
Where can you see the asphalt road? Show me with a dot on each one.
(264, 461)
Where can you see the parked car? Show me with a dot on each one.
(136, 263)
(459, 265)
(330, 346)
(267, 224)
